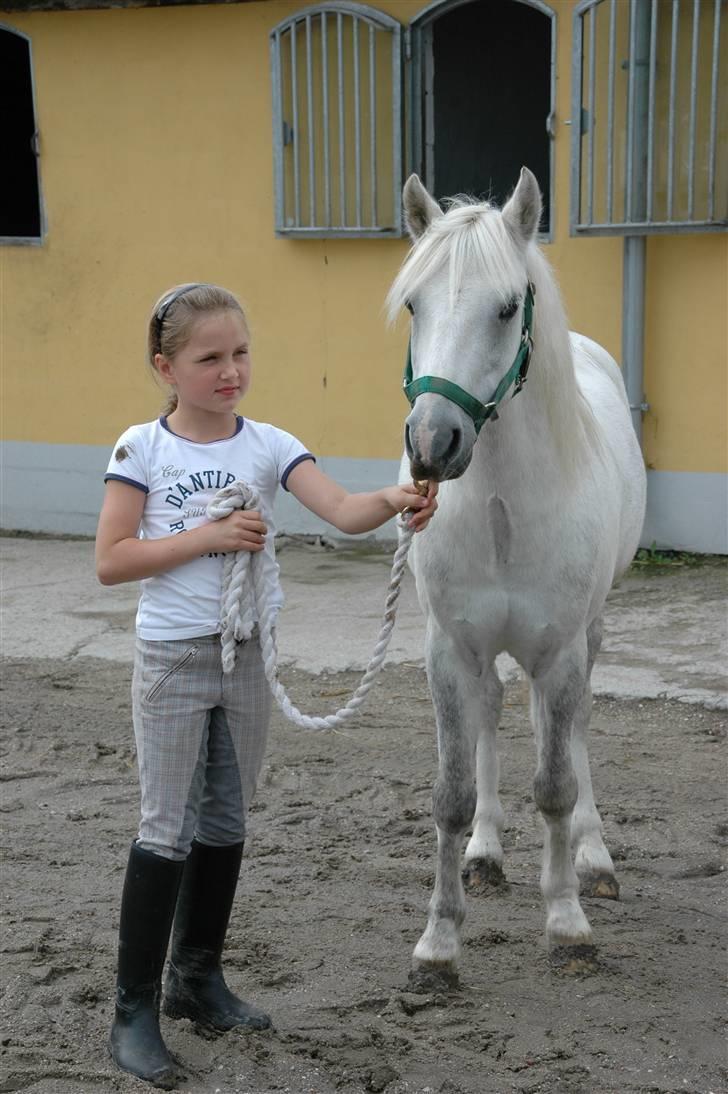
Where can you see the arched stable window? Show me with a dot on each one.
(651, 152)
(336, 74)
(482, 97)
(21, 219)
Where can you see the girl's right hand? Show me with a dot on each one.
(243, 530)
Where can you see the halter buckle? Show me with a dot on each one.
(523, 370)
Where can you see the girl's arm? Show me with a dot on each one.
(122, 556)
(352, 513)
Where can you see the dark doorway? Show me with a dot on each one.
(491, 99)
(19, 191)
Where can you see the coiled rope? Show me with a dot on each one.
(244, 596)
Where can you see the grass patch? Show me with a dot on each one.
(654, 557)
(20, 533)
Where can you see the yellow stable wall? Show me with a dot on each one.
(156, 166)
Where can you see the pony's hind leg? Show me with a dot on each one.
(593, 861)
(454, 694)
(483, 868)
(556, 696)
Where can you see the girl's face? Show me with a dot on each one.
(212, 370)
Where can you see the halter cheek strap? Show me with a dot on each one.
(477, 411)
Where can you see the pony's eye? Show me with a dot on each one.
(408, 306)
(508, 310)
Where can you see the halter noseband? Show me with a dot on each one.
(477, 411)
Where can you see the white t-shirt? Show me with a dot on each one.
(180, 477)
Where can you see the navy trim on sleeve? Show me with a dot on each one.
(295, 463)
(130, 482)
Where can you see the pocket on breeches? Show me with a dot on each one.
(163, 665)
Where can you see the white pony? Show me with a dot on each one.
(538, 514)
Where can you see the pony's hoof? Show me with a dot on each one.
(431, 979)
(482, 875)
(603, 886)
(574, 960)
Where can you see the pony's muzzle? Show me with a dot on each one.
(438, 445)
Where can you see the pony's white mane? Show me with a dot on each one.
(474, 236)
(469, 236)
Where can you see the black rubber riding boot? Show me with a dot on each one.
(147, 908)
(195, 987)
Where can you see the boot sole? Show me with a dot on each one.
(177, 1011)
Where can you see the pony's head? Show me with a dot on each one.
(465, 281)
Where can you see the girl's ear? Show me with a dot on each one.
(164, 368)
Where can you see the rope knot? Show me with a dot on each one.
(238, 495)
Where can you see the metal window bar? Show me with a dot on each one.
(311, 133)
(610, 107)
(325, 117)
(278, 173)
(575, 217)
(673, 107)
(397, 134)
(373, 123)
(294, 96)
(342, 126)
(330, 62)
(693, 108)
(631, 110)
(591, 109)
(651, 112)
(713, 111)
(357, 121)
(671, 71)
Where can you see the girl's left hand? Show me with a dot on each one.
(407, 497)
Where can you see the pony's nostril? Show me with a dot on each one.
(454, 446)
(407, 442)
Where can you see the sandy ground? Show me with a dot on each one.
(666, 628)
(338, 871)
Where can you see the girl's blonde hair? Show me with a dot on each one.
(174, 315)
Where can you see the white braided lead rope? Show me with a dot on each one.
(244, 594)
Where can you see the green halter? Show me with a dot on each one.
(479, 412)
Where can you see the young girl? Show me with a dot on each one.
(200, 735)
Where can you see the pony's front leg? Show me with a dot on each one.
(556, 696)
(484, 852)
(454, 694)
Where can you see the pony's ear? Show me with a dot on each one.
(523, 209)
(419, 208)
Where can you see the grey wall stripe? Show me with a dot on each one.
(59, 488)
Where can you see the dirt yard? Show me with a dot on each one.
(338, 872)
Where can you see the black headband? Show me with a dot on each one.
(172, 299)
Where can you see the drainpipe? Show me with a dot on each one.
(635, 246)
(633, 326)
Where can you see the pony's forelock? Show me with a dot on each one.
(469, 236)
